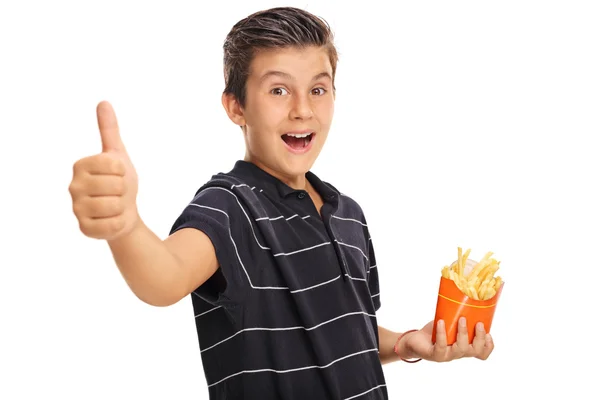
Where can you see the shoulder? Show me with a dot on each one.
(347, 204)
(221, 187)
(216, 203)
(343, 196)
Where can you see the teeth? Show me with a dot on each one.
(298, 135)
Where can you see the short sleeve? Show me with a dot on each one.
(217, 212)
(373, 276)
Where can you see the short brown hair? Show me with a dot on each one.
(278, 27)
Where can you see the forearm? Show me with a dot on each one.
(387, 341)
(150, 269)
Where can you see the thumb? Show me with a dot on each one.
(109, 128)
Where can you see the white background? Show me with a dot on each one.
(462, 123)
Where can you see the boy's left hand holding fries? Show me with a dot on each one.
(418, 344)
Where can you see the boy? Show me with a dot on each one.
(279, 264)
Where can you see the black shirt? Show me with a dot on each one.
(290, 313)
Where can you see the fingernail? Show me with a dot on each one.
(488, 338)
(462, 321)
(479, 326)
(441, 324)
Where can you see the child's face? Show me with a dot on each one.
(288, 91)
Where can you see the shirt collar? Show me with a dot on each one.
(252, 175)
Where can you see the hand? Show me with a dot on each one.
(104, 186)
(419, 343)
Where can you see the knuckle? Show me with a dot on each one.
(104, 163)
(114, 165)
(106, 207)
(76, 187)
(77, 167)
(77, 184)
(82, 165)
(78, 209)
(119, 186)
(116, 206)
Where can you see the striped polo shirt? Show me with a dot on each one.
(290, 313)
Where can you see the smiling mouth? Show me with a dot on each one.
(298, 141)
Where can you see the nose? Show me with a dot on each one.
(301, 108)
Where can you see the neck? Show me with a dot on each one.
(298, 182)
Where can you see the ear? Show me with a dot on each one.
(233, 109)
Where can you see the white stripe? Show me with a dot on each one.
(301, 250)
(291, 328)
(312, 287)
(242, 185)
(206, 312)
(363, 393)
(348, 219)
(269, 219)
(280, 217)
(293, 369)
(370, 268)
(356, 279)
(210, 208)
(375, 295)
(354, 247)
(276, 218)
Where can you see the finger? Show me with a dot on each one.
(101, 164)
(479, 340)
(104, 185)
(99, 207)
(109, 128)
(488, 347)
(461, 346)
(102, 228)
(97, 185)
(441, 344)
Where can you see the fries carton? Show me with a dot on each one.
(464, 295)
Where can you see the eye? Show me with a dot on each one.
(279, 91)
(319, 91)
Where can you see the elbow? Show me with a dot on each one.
(158, 299)
(159, 302)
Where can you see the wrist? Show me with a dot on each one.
(402, 350)
(133, 225)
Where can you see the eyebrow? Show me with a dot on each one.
(285, 75)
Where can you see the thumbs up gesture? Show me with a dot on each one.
(104, 186)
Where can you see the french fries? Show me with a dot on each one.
(475, 280)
